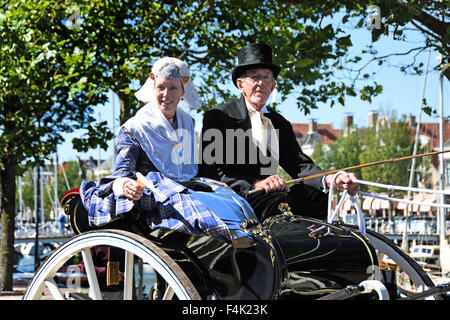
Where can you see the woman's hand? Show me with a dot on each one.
(132, 190)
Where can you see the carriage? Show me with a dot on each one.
(284, 257)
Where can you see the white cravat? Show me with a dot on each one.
(263, 131)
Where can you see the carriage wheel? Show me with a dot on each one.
(139, 252)
(403, 264)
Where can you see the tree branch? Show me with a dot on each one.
(358, 71)
(437, 26)
(424, 30)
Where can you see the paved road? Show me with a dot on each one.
(16, 294)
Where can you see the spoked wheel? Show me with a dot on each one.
(408, 272)
(146, 267)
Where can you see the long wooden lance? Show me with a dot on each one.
(318, 175)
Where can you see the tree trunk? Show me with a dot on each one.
(8, 215)
(125, 107)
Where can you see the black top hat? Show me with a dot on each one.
(257, 55)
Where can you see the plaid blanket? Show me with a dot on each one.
(171, 206)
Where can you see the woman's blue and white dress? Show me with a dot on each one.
(169, 204)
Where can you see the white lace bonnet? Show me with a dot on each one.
(169, 67)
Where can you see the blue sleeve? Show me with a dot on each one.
(127, 154)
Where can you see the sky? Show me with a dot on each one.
(401, 93)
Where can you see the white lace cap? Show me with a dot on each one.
(169, 67)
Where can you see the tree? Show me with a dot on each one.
(126, 37)
(343, 153)
(311, 45)
(43, 92)
(398, 20)
(389, 139)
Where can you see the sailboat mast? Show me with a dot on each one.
(413, 161)
(55, 172)
(441, 158)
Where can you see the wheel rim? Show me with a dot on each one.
(134, 246)
(405, 263)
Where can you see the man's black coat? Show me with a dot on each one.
(241, 175)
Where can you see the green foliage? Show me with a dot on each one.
(390, 139)
(97, 133)
(44, 87)
(51, 74)
(44, 62)
(127, 37)
(400, 20)
(343, 153)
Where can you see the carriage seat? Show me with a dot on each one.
(132, 221)
(79, 219)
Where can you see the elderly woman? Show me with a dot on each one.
(159, 143)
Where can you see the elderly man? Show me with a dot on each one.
(244, 141)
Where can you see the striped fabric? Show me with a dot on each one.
(172, 207)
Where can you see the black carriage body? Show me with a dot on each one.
(216, 269)
(291, 256)
(221, 271)
(320, 258)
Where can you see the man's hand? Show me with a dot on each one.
(344, 182)
(272, 183)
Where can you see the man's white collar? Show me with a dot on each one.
(249, 106)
